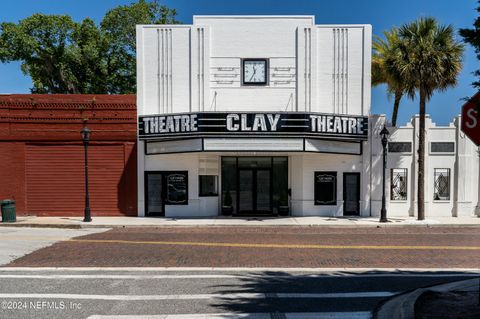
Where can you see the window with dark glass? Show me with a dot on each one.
(442, 184)
(400, 147)
(398, 184)
(442, 147)
(208, 185)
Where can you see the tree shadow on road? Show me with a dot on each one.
(268, 284)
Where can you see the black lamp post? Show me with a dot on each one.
(86, 138)
(384, 133)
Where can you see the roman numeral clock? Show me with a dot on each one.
(254, 71)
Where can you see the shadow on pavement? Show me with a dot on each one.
(271, 283)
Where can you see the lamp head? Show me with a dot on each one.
(85, 132)
(384, 132)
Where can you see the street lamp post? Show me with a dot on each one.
(384, 134)
(86, 139)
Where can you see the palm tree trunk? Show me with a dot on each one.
(421, 158)
(396, 104)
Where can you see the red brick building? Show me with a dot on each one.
(42, 159)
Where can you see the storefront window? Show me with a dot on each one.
(442, 184)
(208, 185)
(398, 184)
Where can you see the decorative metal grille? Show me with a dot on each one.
(442, 147)
(442, 184)
(398, 184)
(399, 147)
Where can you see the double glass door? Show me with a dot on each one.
(255, 185)
(255, 191)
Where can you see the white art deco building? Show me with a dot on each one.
(270, 116)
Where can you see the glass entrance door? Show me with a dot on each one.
(263, 199)
(255, 196)
(245, 190)
(154, 190)
(351, 194)
(255, 185)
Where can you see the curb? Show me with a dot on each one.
(402, 306)
(78, 226)
(32, 225)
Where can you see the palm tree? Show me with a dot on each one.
(384, 67)
(430, 60)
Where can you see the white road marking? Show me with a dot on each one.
(306, 315)
(372, 294)
(370, 271)
(136, 277)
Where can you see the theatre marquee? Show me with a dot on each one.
(247, 124)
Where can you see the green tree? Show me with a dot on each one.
(384, 68)
(472, 37)
(63, 56)
(41, 42)
(431, 60)
(119, 29)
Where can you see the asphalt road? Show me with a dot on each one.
(138, 293)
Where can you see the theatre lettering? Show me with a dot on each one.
(245, 123)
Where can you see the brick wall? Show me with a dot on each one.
(27, 119)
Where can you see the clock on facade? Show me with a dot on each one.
(255, 71)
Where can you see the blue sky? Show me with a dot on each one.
(381, 14)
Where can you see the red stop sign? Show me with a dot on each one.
(471, 119)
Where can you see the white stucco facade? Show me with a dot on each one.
(198, 112)
(461, 160)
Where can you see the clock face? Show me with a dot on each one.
(255, 72)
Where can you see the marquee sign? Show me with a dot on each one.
(278, 124)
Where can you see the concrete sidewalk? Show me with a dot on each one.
(109, 222)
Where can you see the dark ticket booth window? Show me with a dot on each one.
(325, 188)
(208, 185)
(177, 188)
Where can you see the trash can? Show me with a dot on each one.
(9, 214)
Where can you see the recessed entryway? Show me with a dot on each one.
(255, 186)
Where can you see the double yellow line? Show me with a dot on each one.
(241, 245)
(289, 246)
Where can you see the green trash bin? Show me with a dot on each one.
(9, 214)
